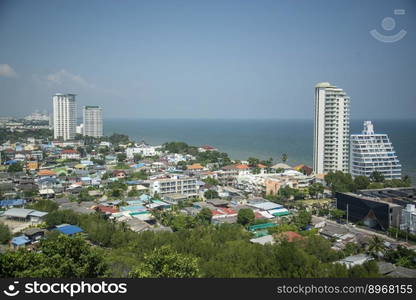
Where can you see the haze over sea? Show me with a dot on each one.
(243, 138)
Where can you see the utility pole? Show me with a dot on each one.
(398, 226)
(347, 213)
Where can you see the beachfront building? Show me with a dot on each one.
(373, 152)
(93, 121)
(331, 129)
(142, 149)
(64, 116)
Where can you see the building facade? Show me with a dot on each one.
(331, 129)
(143, 149)
(408, 220)
(373, 212)
(184, 185)
(64, 116)
(373, 152)
(93, 121)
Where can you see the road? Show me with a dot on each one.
(354, 229)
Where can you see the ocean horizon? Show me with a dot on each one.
(261, 138)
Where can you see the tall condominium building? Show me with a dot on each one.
(373, 152)
(93, 121)
(64, 116)
(331, 129)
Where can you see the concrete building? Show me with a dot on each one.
(64, 116)
(80, 129)
(331, 129)
(142, 149)
(38, 116)
(182, 185)
(375, 212)
(93, 121)
(408, 220)
(373, 152)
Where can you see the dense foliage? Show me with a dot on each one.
(343, 182)
(5, 234)
(203, 251)
(59, 256)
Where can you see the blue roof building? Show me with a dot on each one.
(20, 241)
(15, 202)
(68, 229)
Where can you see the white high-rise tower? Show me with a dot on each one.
(93, 121)
(64, 116)
(331, 129)
(373, 152)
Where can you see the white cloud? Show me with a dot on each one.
(7, 71)
(67, 79)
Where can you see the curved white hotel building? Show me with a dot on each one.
(373, 152)
(331, 129)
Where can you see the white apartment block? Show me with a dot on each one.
(331, 129)
(143, 149)
(408, 219)
(93, 121)
(64, 116)
(373, 152)
(183, 185)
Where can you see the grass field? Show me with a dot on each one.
(315, 201)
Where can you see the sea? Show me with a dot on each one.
(261, 138)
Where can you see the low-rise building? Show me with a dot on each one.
(70, 154)
(142, 149)
(182, 185)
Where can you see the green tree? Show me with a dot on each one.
(302, 219)
(117, 139)
(5, 234)
(137, 157)
(165, 262)
(340, 182)
(44, 205)
(210, 194)
(84, 196)
(253, 162)
(211, 181)
(284, 157)
(205, 215)
(121, 157)
(133, 193)
(61, 217)
(77, 258)
(337, 214)
(376, 247)
(245, 216)
(316, 189)
(376, 176)
(286, 192)
(16, 167)
(58, 256)
(361, 182)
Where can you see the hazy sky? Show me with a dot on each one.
(214, 59)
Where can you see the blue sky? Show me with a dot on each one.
(206, 59)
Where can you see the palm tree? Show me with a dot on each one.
(376, 247)
(284, 157)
